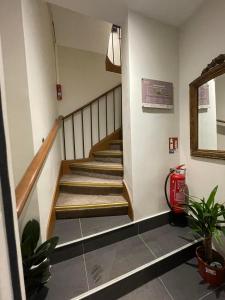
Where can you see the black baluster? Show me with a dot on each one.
(82, 127)
(91, 125)
(121, 107)
(114, 110)
(106, 114)
(64, 142)
(112, 46)
(98, 123)
(74, 145)
(120, 45)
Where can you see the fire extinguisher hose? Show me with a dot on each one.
(165, 189)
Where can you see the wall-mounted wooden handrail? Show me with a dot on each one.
(220, 121)
(91, 102)
(30, 177)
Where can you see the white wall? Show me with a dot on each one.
(153, 53)
(126, 110)
(83, 78)
(201, 40)
(5, 280)
(18, 109)
(41, 74)
(79, 31)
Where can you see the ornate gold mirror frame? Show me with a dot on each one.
(213, 70)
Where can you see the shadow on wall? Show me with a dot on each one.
(157, 110)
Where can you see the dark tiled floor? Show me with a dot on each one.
(114, 260)
(67, 230)
(152, 290)
(96, 267)
(71, 229)
(181, 283)
(167, 238)
(98, 224)
(68, 279)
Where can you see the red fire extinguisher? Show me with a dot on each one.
(177, 190)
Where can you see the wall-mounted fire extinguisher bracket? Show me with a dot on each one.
(177, 189)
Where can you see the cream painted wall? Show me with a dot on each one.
(127, 134)
(83, 78)
(200, 42)
(79, 31)
(153, 53)
(17, 98)
(18, 108)
(41, 74)
(5, 280)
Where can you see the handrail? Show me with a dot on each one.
(220, 121)
(30, 177)
(91, 102)
(89, 126)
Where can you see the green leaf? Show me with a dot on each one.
(211, 198)
(30, 238)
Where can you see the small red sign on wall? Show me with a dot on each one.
(173, 144)
(59, 91)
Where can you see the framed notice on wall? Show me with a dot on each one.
(203, 96)
(157, 94)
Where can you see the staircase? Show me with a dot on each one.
(94, 187)
(91, 177)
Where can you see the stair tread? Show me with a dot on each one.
(109, 152)
(116, 142)
(87, 180)
(99, 164)
(67, 200)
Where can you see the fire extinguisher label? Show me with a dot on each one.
(210, 271)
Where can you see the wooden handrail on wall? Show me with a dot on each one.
(30, 177)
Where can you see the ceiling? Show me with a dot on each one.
(78, 31)
(173, 12)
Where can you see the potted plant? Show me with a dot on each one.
(207, 218)
(36, 262)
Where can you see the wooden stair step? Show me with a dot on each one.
(116, 142)
(90, 185)
(79, 205)
(109, 153)
(98, 169)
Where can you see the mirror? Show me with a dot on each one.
(211, 114)
(207, 111)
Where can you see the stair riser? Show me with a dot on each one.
(83, 213)
(116, 147)
(110, 174)
(109, 159)
(91, 190)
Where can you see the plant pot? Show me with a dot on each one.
(214, 276)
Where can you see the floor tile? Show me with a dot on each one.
(97, 224)
(167, 238)
(68, 279)
(116, 259)
(218, 294)
(151, 290)
(67, 230)
(185, 283)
